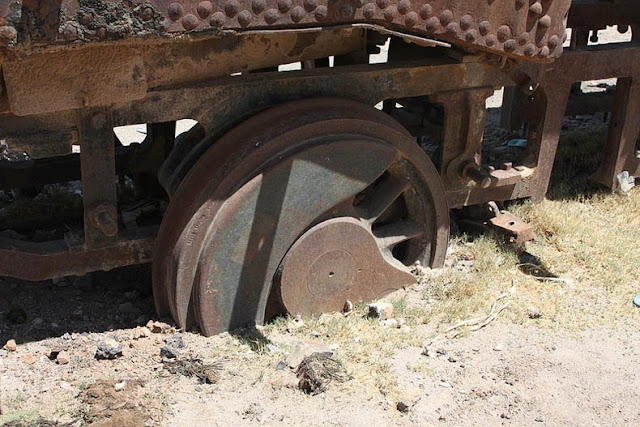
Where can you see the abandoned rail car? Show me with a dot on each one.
(293, 192)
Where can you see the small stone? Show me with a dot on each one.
(3, 353)
(29, 359)
(142, 332)
(168, 352)
(109, 349)
(498, 347)
(54, 352)
(380, 310)
(429, 351)
(63, 358)
(159, 327)
(357, 339)
(37, 321)
(149, 325)
(54, 326)
(539, 419)
(281, 365)
(10, 345)
(445, 384)
(452, 359)
(406, 329)
(175, 341)
(408, 399)
(120, 386)
(533, 313)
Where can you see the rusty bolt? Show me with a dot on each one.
(271, 16)
(217, 20)
(310, 5)
(101, 33)
(85, 18)
(204, 9)
(321, 13)
(258, 6)
(7, 34)
(189, 22)
(536, 8)
(474, 172)
(426, 11)
(146, 14)
(175, 11)
(105, 217)
(545, 22)
(70, 32)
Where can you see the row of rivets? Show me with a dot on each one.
(389, 10)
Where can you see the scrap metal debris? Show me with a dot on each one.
(205, 373)
(317, 371)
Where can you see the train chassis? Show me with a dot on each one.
(293, 193)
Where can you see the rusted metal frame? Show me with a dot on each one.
(115, 73)
(42, 261)
(98, 171)
(518, 29)
(464, 112)
(595, 14)
(624, 128)
(600, 62)
(231, 99)
(135, 158)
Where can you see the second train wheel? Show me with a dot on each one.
(306, 204)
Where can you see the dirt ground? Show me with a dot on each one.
(564, 351)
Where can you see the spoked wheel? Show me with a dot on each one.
(303, 206)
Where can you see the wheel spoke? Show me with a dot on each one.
(395, 233)
(382, 197)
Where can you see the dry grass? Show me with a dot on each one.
(587, 239)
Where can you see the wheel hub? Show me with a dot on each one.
(335, 261)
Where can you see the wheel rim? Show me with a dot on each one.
(257, 191)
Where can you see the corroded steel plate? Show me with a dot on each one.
(520, 28)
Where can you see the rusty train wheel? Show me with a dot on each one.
(306, 204)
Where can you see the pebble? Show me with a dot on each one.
(10, 345)
(452, 359)
(445, 384)
(29, 359)
(37, 321)
(429, 351)
(141, 332)
(63, 358)
(408, 399)
(498, 347)
(168, 352)
(175, 341)
(406, 329)
(120, 386)
(380, 310)
(533, 313)
(109, 349)
(158, 327)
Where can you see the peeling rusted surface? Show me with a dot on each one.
(518, 28)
